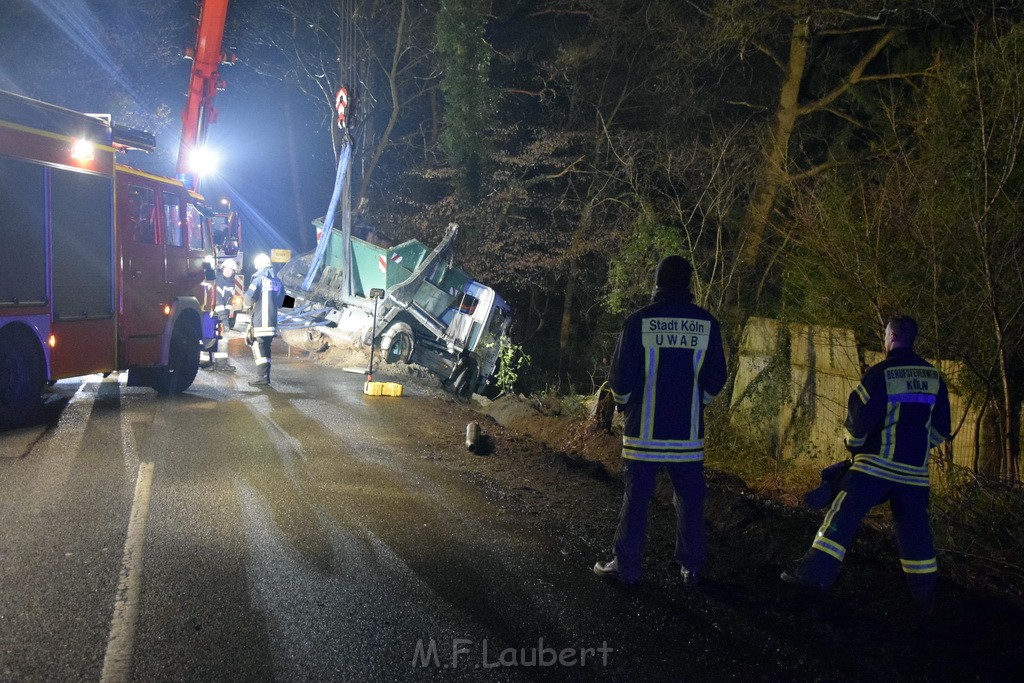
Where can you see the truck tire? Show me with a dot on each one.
(182, 358)
(466, 377)
(21, 379)
(309, 339)
(401, 348)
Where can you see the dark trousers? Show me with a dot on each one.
(860, 492)
(261, 354)
(688, 483)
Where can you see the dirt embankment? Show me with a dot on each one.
(566, 476)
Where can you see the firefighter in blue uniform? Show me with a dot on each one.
(897, 414)
(223, 291)
(263, 297)
(668, 365)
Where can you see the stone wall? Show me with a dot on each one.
(793, 382)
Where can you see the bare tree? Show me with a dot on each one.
(380, 50)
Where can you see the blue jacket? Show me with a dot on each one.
(897, 414)
(265, 295)
(668, 364)
(225, 291)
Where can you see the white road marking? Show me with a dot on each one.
(118, 659)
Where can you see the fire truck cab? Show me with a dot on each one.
(101, 266)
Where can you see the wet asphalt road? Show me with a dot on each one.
(304, 532)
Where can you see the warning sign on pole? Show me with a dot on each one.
(341, 105)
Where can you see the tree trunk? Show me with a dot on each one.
(570, 290)
(1010, 418)
(583, 229)
(772, 174)
(385, 138)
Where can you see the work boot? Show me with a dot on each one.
(794, 578)
(224, 366)
(207, 365)
(690, 577)
(263, 378)
(610, 570)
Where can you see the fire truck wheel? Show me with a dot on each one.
(402, 344)
(21, 379)
(183, 358)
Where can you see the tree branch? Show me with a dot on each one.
(761, 47)
(748, 105)
(856, 75)
(553, 176)
(844, 116)
(815, 170)
(542, 94)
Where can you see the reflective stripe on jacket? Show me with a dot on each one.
(265, 295)
(897, 414)
(225, 290)
(668, 364)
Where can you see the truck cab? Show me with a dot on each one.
(458, 340)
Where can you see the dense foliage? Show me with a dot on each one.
(832, 161)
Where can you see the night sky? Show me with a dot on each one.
(277, 166)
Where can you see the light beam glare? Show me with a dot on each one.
(77, 22)
(255, 222)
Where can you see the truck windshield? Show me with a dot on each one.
(499, 319)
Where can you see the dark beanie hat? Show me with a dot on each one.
(673, 273)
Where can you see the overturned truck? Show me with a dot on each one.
(409, 301)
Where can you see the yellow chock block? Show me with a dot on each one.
(382, 389)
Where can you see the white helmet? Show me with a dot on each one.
(229, 263)
(261, 261)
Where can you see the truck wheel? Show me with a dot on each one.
(182, 359)
(21, 380)
(317, 341)
(309, 339)
(401, 347)
(464, 383)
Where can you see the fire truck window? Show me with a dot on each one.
(174, 235)
(82, 244)
(220, 230)
(142, 214)
(23, 232)
(195, 228)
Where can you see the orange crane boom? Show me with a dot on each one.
(207, 56)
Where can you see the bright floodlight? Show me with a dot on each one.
(83, 150)
(205, 161)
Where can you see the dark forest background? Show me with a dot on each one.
(824, 161)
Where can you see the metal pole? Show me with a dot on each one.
(373, 339)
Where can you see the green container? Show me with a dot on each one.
(374, 266)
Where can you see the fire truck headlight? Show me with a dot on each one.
(83, 150)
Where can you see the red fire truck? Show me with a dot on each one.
(101, 265)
